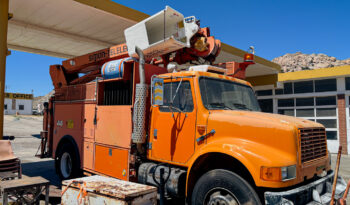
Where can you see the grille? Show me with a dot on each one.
(313, 143)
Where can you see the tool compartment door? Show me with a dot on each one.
(114, 125)
(172, 131)
(88, 154)
(89, 135)
(89, 126)
(112, 161)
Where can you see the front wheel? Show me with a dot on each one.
(66, 163)
(223, 187)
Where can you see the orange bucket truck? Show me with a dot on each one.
(135, 110)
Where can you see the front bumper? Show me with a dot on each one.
(317, 192)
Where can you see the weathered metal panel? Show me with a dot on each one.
(114, 125)
(71, 198)
(68, 121)
(105, 190)
(88, 154)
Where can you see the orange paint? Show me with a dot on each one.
(63, 113)
(114, 126)
(88, 158)
(175, 131)
(112, 161)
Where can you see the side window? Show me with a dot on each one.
(183, 98)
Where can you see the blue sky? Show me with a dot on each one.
(273, 27)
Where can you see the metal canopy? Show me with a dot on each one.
(69, 28)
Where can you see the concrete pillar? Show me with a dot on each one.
(343, 141)
(4, 10)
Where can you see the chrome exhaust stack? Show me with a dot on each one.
(139, 114)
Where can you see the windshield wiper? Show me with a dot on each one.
(241, 106)
(222, 105)
(171, 107)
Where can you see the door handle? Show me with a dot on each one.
(201, 138)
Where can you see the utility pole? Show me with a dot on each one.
(4, 17)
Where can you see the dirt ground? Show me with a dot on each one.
(26, 130)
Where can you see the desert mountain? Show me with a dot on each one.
(299, 61)
(42, 99)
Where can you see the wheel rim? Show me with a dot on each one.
(220, 196)
(66, 165)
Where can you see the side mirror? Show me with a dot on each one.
(157, 91)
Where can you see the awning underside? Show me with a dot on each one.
(69, 28)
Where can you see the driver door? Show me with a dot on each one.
(173, 124)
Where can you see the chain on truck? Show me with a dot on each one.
(159, 102)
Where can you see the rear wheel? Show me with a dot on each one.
(223, 187)
(67, 162)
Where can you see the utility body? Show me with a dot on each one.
(137, 109)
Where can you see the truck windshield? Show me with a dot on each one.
(219, 94)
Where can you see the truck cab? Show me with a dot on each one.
(210, 121)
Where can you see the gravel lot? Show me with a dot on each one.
(26, 130)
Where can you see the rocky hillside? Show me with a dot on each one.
(299, 61)
(42, 99)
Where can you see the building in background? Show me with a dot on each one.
(18, 103)
(321, 95)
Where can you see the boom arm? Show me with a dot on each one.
(70, 72)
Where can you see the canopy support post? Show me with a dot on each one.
(4, 16)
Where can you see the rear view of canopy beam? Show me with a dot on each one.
(38, 51)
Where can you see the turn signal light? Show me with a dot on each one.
(271, 174)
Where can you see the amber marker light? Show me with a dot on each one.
(271, 174)
(201, 129)
(248, 57)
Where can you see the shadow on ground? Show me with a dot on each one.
(37, 136)
(45, 169)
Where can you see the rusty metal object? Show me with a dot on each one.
(336, 175)
(6, 152)
(342, 201)
(104, 190)
(25, 191)
(9, 163)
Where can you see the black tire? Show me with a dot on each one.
(223, 186)
(67, 150)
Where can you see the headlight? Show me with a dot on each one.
(288, 172)
(278, 173)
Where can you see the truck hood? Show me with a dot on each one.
(261, 119)
(272, 131)
(275, 118)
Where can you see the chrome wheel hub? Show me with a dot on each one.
(220, 196)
